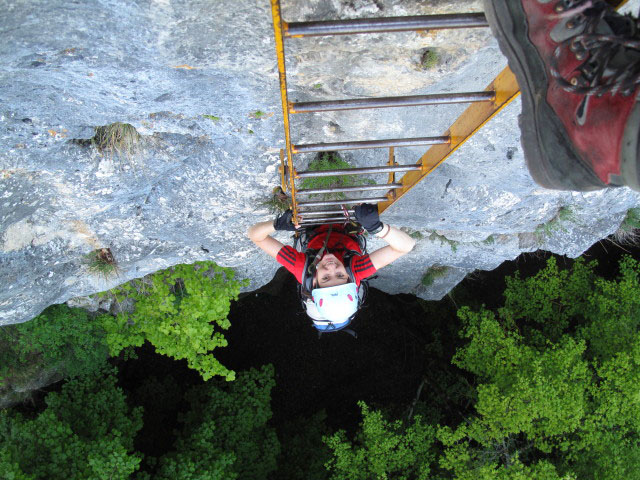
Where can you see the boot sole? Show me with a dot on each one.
(551, 159)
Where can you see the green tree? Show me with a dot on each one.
(62, 338)
(558, 368)
(177, 310)
(225, 434)
(382, 449)
(86, 431)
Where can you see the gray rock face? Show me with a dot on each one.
(190, 75)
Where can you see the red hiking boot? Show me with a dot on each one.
(578, 66)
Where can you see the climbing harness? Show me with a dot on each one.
(484, 106)
(312, 268)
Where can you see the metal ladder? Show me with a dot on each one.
(484, 106)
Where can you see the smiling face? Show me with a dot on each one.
(330, 272)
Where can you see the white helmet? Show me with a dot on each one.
(336, 305)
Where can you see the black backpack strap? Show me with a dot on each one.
(312, 268)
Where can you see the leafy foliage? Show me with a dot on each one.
(61, 337)
(177, 310)
(86, 431)
(548, 390)
(558, 368)
(225, 433)
(382, 449)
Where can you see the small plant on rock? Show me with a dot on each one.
(278, 202)
(628, 232)
(435, 272)
(102, 263)
(415, 234)
(565, 214)
(258, 114)
(490, 240)
(429, 60)
(117, 138)
(331, 161)
(444, 241)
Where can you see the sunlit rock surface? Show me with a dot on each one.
(198, 80)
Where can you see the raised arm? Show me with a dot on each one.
(260, 233)
(399, 242)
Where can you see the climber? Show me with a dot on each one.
(577, 63)
(333, 264)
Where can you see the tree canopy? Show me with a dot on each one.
(545, 386)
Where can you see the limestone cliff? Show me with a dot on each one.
(198, 80)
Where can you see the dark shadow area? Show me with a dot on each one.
(383, 365)
(157, 383)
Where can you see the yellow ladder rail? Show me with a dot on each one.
(282, 73)
(472, 119)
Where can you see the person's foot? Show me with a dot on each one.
(578, 66)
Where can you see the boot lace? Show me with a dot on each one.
(598, 75)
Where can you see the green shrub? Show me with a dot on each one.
(382, 449)
(225, 434)
(177, 310)
(86, 431)
(61, 337)
(557, 371)
(303, 453)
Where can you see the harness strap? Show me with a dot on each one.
(312, 267)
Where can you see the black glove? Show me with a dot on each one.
(283, 221)
(367, 216)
